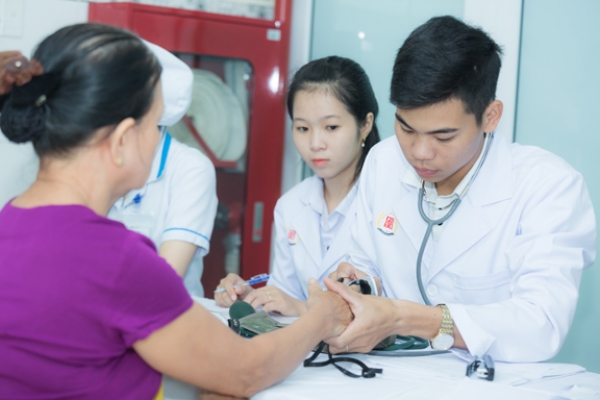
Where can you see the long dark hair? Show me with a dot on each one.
(350, 85)
(94, 76)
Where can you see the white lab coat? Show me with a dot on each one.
(298, 251)
(509, 261)
(178, 202)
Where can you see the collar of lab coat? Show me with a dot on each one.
(412, 178)
(316, 199)
(307, 223)
(157, 170)
(314, 194)
(473, 219)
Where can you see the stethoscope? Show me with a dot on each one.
(454, 205)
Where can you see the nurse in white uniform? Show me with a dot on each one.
(333, 110)
(176, 207)
(502, 273)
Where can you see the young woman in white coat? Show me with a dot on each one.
(333, 110)
(501, 275)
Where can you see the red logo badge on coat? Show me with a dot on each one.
(292, 236)
(387, 223)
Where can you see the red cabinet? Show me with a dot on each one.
(257, 51)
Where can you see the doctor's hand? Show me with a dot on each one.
(231, 294)
(348, 272)
(337, 312)
(274, 299)
(374, 320)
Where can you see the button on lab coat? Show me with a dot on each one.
(298, 253)
(509, 261)
(178, 202)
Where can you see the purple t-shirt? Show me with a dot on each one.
(76, 291)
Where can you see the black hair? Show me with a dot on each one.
(349, 83)
(444, 59)
(94, 76)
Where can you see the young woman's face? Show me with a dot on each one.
(326, 134)
(146, 139)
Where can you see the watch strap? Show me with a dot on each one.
(447, 321)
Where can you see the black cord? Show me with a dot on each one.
(367, 372)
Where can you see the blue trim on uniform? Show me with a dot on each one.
(165, 153)
(188, 230)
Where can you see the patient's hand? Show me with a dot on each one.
(337, 310)
(16, 69)
(274, 299)
(231, 294)
(374, 320)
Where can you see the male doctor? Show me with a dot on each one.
(502, 273)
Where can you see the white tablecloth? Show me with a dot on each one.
(439, 376)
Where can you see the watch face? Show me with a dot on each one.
(442, 341)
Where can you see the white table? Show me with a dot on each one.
(438, 376)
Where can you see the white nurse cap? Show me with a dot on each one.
(177, 80)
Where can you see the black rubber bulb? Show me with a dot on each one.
(240, 309)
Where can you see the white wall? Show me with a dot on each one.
(501, 19)
(370, 33)
(557, 110)
(40, 18)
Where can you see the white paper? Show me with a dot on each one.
(481, 389)
(519, 374)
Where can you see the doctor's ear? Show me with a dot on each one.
(119, 140)
(491, 116)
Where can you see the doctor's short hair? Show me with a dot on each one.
(445, 59)
(94, 76)
(349, 83)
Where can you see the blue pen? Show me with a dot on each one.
(252, 281)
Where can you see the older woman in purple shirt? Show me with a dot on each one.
(89, 310)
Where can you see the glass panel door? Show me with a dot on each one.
(217, 124)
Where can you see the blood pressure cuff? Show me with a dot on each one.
(248, 323)
(254, 324)
(245, 321)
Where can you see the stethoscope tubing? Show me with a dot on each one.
(431, 223)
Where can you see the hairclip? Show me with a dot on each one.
(36, 91)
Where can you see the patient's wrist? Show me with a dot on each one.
(300, 307)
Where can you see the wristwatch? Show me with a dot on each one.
(445, 337)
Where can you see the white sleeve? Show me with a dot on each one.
(283, 274)
(361, 251)
(555, 242)
(192, 202)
